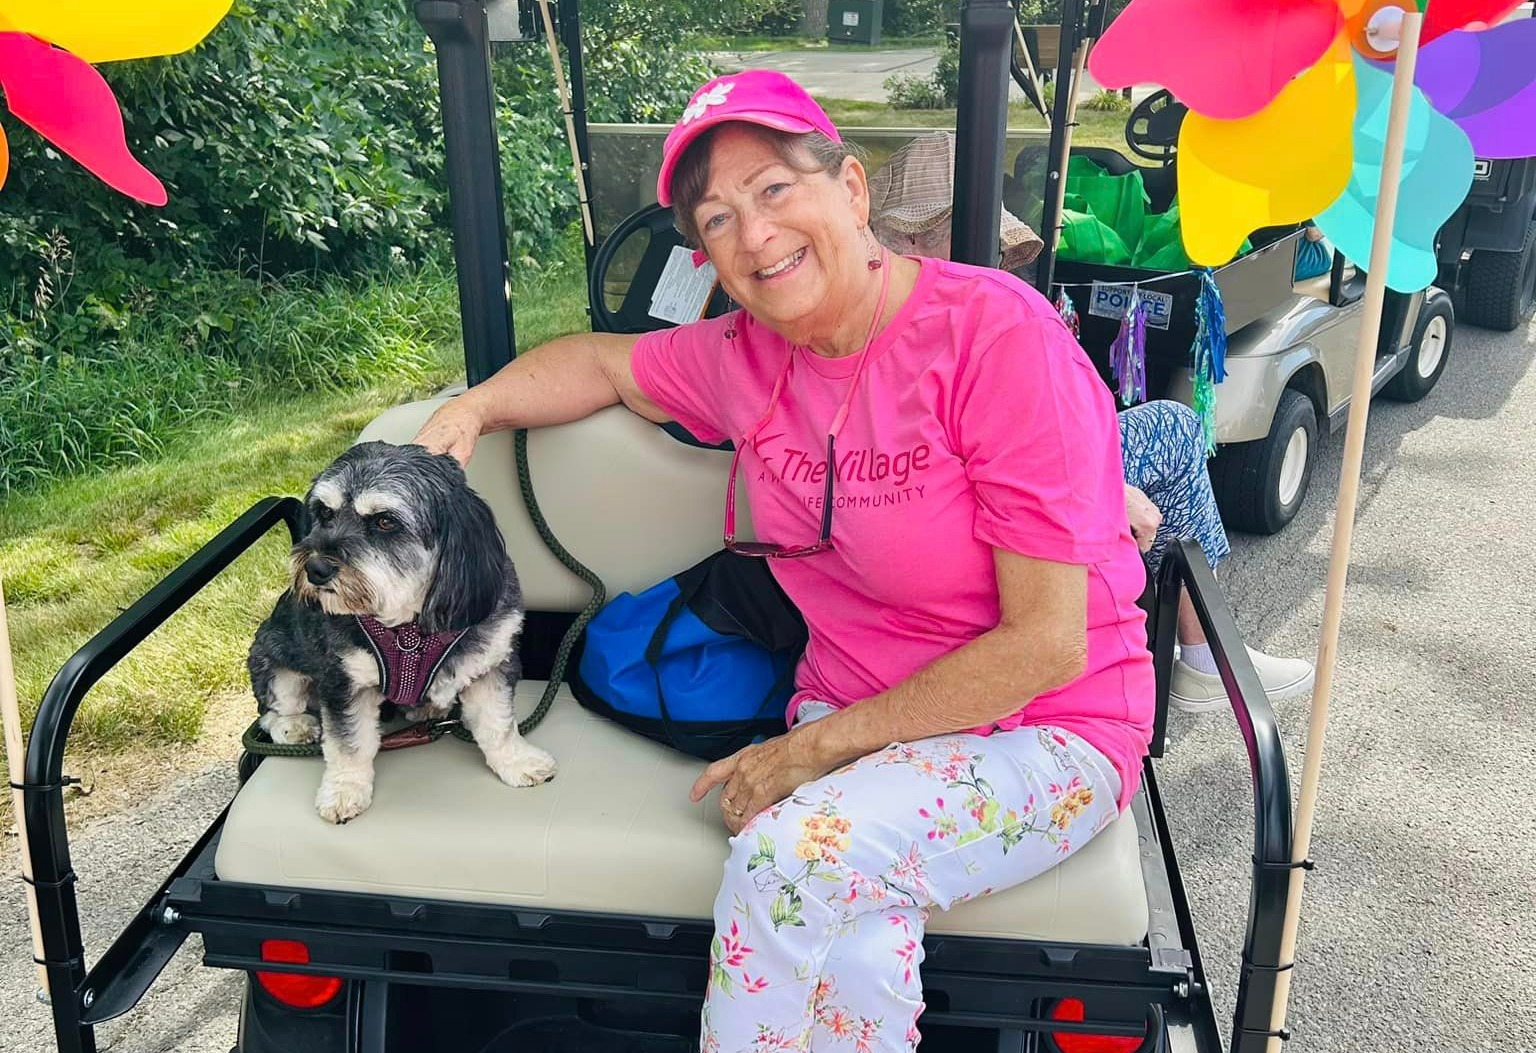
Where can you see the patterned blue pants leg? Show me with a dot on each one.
(1163, 448)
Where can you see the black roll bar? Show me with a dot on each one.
(981, 126)
(473, 164)
(43, 792)
(1270, 887)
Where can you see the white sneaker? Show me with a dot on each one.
(1195, 692)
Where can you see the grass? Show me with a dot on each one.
(95, 397)
(1094, 128)
(75, 552)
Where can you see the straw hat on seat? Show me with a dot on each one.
(912, 200)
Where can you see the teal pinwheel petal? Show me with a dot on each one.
(1437, 173)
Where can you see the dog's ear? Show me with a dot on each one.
(471, 562)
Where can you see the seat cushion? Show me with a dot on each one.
(613, 833)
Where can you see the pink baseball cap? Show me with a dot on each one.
(757, 96)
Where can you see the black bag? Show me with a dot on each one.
(703, 662)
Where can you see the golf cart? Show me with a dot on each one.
(1290, 344)
(1487, 249)
(458, 914)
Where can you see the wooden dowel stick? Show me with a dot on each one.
(10, 716)
(1029, 67)
(1079, 61)
(1349, 488)
(570, 121)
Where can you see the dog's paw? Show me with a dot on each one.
(343, 799)
(519, 763)
(297, 729)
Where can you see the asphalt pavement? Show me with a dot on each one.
(1418, 932)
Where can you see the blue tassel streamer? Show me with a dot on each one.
(1210, 353)
(1068, 311)
(1128, 354)
(1211, 326)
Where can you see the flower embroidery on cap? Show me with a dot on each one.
(705, 99)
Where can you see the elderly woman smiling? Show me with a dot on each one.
(976, 696)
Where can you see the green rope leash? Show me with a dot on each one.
(256, 743)
(572, 564)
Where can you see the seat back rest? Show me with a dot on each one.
(626, 499)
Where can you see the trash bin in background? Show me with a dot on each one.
(854, 21)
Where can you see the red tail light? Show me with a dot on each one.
(295, 990)
(1071, 1009)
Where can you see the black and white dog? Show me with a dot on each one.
(402, 591)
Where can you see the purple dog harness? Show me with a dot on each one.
(407, 660)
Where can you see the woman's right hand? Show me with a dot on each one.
(1144, 516)
(453, 429)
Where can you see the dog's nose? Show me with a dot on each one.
(319, 571)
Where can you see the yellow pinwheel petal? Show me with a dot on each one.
(107, 30)
(1284, 164)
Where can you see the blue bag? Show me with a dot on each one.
(703, 662)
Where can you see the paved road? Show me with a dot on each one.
(1418, 933)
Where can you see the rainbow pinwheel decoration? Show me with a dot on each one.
(1288, 104)
(46, 51)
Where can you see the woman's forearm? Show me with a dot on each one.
(974, 685)
(563, 380)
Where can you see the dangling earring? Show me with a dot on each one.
(874, 262)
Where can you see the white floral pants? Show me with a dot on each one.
(819, 921)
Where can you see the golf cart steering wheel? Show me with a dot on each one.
(658, 238)
(1152, 129)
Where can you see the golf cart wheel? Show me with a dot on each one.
(1260, 485)
(1501, 286)
(1431, 350)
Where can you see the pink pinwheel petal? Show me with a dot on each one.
(66, 101)
(1486, 83)
(1443, 16)
(1223, 58)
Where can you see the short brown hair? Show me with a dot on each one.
(808, 153)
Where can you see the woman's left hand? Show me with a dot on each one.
(761, 775)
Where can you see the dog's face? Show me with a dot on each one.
(396, 534)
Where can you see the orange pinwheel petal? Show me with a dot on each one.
(108, 30)
(5, 158)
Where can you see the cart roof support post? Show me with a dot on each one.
(473, 166)
(981, 125)
(1076, 16)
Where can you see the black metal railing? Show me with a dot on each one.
(43, 792)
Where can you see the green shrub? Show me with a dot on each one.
(1107, 101)
(306, 136)
(939, 90)
(768, 18)
(907, 91)
(918, 18)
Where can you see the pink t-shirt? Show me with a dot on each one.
(980, 424)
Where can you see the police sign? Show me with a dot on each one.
(1111, 301)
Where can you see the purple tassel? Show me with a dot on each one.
(1068, 311)
(1210, 352)
(1128, 354)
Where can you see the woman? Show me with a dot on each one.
(1168, 492)
(933, 467)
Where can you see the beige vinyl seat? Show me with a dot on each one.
(614, 833)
